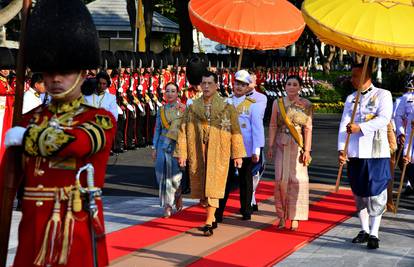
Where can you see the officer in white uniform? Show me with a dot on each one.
(410, 159)
(251, 126)
(368, 156)
(404, 108)
(102, 98)
(258, 168)
(32, 97)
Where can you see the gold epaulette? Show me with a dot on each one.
(251, 99)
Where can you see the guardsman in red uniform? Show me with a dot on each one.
(60, 138)
(6, 95)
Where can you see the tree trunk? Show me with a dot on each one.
(148, 15)
(326, 61)
(132, 14)
(186, 28)
(341, 58)
(401, 65)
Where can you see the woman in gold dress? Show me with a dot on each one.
(290, 138)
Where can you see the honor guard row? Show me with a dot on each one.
(138, 81)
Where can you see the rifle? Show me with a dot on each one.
(12, 172)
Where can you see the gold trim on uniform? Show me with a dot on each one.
(244, 106)
(31, 136)
(96, 135)
(66, 107)
(62, 163)
(104, 121)
(52, 140)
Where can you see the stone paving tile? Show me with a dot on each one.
(335, 248)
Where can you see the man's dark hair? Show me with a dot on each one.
(36, 78)
(208, 73)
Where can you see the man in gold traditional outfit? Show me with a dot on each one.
(209, 135)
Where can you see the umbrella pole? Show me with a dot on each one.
(348, 136)
(240, 59)
(410, 143)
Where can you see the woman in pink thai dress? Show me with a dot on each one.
(290, 138)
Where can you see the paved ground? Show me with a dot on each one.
(130, 198)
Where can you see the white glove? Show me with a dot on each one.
(130, 107)
(120, 112)
(120, 90)
(140, 87)
(14, 136)
(140, 107)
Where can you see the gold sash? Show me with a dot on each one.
(289, 124)
(164, 119)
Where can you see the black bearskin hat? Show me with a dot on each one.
(141, 56)
(195, 69)
(6, 59)
(61, 36)
(109, 58)
(125, 57)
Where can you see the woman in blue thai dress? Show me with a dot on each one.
(167, 171)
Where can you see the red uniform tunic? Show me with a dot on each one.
(6, 110)
(51, 160)
(114, 85)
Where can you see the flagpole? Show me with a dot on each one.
(136, 28)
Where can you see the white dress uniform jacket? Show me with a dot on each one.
(251, 125)
(407, 138)
(106, 101)
(404, 108)
(373, 114)
(31, 100)
(394, 112)
(261, 100)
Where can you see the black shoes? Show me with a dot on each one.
(408, 191)
(207, 230)
(214, 225)
(373, 242)
(362, 237)
(255, 208)
(246, 217)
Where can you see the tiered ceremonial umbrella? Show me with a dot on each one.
(248, 24)
(376, 28)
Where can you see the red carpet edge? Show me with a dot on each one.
(123, 242)
(268, 246)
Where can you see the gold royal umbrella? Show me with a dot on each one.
(378, 28)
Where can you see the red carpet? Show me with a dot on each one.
(273, 244)
(128, 240)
